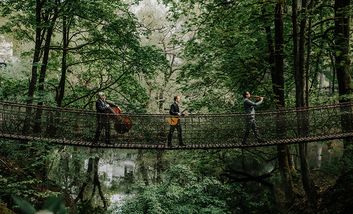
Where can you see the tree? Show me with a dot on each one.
(87, 45)
(343, 185)
(278, 90)
(301, 94)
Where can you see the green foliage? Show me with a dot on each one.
(228, 52)
(21, 173)
(11, 87)
(181, 192)
(25, 206)
(103, 53)
(51, 205)
(5, 210)
(13, 185)
(226, 55)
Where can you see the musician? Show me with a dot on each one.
(250, 123)
(103, 108)
(174, 110)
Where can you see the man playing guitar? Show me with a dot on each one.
(175, 122)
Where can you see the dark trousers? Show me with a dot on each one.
(102, 123)
(250, 123)
(170, 135)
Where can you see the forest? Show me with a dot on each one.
(141, 54)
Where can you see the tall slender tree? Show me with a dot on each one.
(301, 95)
(342, 50)
(278, 90)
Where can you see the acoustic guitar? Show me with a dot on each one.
(174, 120)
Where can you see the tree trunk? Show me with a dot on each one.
(37, 51)
(308, 62)
(303, 117)
(61, 87)
(159, 165)
(97, 184)
(318, 72)
(35, 64)
(80, 195)
(300, 71)
(92, 180)
(43, 70)
(278, 89)
(342, 27)
(332, 83)
(143, 168)
(77, 166)
(336, 200)
(295, 39)
(345, 88)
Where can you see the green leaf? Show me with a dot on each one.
(25, 206)
(52, 204)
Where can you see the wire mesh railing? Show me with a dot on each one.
(150, 131)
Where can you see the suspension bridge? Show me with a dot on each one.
(77, 127)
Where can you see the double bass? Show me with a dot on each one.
(122, 123)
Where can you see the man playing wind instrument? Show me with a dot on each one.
(250, 123)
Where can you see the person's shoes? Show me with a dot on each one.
(182, 144)
(107, 142)
(169, 145)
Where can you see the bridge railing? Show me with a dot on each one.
(73, 126)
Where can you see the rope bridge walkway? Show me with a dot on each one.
(200, 131)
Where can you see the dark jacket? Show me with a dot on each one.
(102, 107)
(174, 109)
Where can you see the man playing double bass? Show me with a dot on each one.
(174, 110)
(103, 110)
